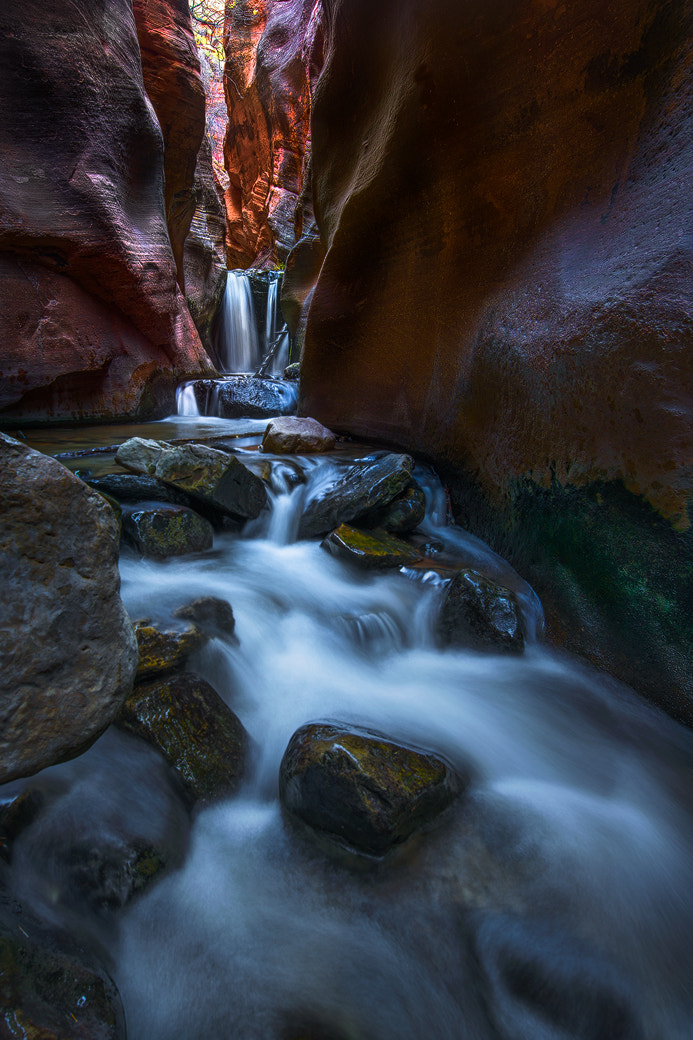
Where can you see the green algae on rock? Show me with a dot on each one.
(361, 788)
(163, 531)
(197, 733)
(369, 549)
(164, 650)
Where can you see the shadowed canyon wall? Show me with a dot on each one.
(268, 43)
(504, 195)
(92, 321)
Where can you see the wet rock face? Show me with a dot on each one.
(369, 549)
(215, 477)
(480, 614)
(67, 645)
(198, 735)
(162, 531)
(367, 485)
(92, 321)
(288, 435)
(360, 788)
(505, 287)
(267, 73)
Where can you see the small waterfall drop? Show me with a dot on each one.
(247, 340)
(239, 346)
(186, 402)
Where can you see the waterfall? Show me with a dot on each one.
(186, 403)
(239, 345)
(247, 339)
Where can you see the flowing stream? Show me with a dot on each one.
(553, 902)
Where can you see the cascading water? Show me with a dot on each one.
(552, 903)
(244, 340)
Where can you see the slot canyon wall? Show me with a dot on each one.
(93, 321)
(503, 194)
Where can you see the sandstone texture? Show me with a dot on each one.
(362, 789)
(269, 44)
(92, 320)
(67, 646)
(503, 196)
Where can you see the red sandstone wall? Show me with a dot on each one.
(92, 322)
(268, 98)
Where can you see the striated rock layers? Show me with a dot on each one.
(504, 195)
(92, 322)
(268, 53)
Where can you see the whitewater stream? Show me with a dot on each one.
(552, 902)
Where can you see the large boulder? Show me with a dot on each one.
(360, 788)
(92, 321)
(287, 435)
(243, 397)
(480, 614)
(503, 195)
(67, 646)
(215, 477)
(162, 531)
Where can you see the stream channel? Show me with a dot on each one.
(551, 902)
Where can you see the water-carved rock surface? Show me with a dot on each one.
(503, 195)
(92, 321)
(267, 73)
(362, 788)
(198, 735)
(67, 645)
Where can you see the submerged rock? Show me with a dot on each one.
(480, 614)
(366, 485)
(196, 732)
(66, 642)
(289, 435)
(164, 531)
(164, 650)
(51, 989)
(213, 615)
(17, 813)
(369, 549)
(215, 477)
(361, 788)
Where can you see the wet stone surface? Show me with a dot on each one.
(197, 733)
(163, 531)
(362, 789)
(479, 614)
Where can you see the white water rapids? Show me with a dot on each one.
(552, 903)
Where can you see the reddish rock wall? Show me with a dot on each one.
(92, 323)
(171, 73)
(268, 98)
(504, 194)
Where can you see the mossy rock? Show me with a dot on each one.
(361, 789)
(479, 614)
(369, 549)
(164, 650)
(203, 741)
(163, 531)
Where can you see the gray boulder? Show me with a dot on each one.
(162, 531)
(215, 477)
(289, 435)
(67, 647)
